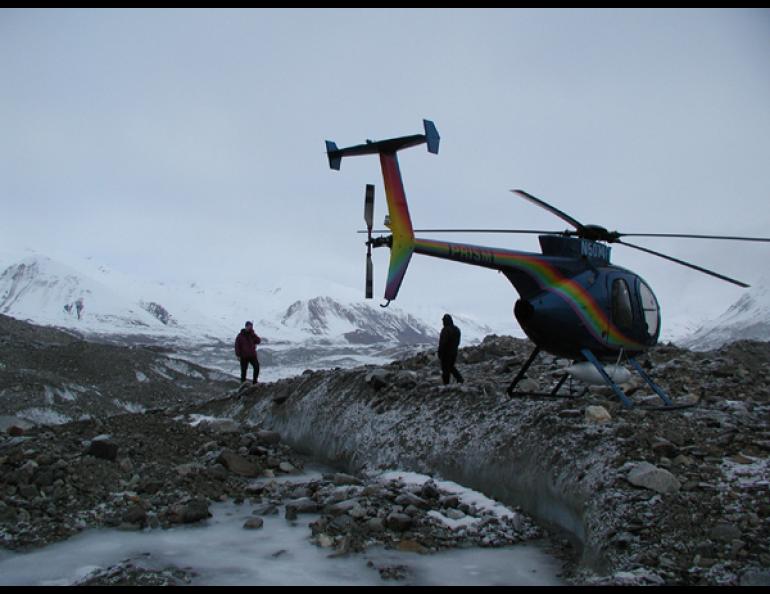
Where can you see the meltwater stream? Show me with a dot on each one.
(220, 551)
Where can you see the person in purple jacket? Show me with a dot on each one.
(246, 350)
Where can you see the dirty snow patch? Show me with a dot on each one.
(66, 393)
(753, 475)
(132, 407)
(43, 416)
(162, 373)
(183, 368)
(468, 496)
(195, 419)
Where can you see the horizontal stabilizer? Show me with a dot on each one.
(391, 145)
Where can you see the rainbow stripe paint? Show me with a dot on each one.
(543, 273)
(400, 224)
(547, 277)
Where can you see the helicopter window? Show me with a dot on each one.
(650, 308)
(621, 304)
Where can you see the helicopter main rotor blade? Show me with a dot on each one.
(533, 231)
(552, 209)
(369, 220)
(683, 263)
(691, 236)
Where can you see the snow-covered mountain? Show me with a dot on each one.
(357, 323)
(748, 318)
(41, 290)
(308, 315)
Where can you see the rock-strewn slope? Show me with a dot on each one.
(134, 470)
(677, 497)
(48, 376)
(156, 470)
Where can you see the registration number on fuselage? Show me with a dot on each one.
(597, 251)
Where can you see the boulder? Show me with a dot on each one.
(342, 507)
(104, 448)
(597, 414)
(528, 385)
(406, 499)
(189, 512)
(303, 505)
(377, 378)
(254, 523)
(238, 464)
(429, 490)
(398, 522)
(662, 447)
(268, 437)
(649, 476)
(135, 514)
(286, 467)
(406, 379)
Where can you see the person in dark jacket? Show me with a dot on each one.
(246, 350)
(448, 343)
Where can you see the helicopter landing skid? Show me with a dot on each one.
(571, 395)
(523, 371)
(655, 387)
(615, 388)
(590, 357)
(511, 391)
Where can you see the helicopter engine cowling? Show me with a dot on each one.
(538, 318)
(523, 310)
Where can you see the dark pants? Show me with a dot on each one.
(448, 368)
(245, 367)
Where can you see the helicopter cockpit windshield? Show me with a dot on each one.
(650, 309)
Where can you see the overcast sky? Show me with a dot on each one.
(189, 144)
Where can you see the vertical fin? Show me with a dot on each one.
(400, 224)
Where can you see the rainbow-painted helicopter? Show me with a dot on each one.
(572, 301)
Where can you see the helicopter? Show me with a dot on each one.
(573, 302)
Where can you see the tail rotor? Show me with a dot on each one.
(369, 220)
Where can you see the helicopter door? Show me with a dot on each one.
(622, 311)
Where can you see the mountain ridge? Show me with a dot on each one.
(748, 318)
(307, 323)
